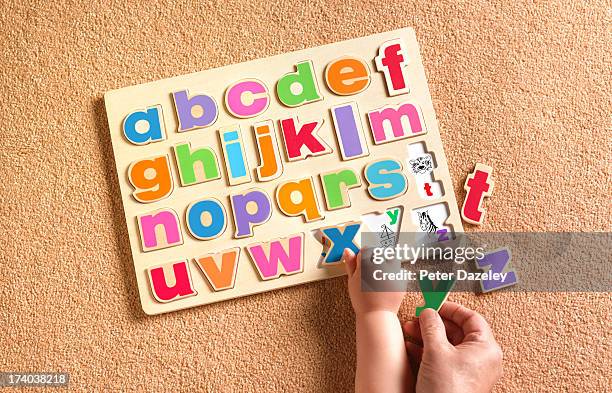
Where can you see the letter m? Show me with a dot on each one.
(401, 122)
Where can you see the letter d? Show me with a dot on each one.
(298, 88)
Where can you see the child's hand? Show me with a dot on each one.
(382, 361)
(366, 302)
(459, 353)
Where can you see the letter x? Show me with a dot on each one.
(340, 241)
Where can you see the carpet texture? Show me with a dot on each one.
(524, 88)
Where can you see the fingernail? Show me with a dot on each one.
(428, 313)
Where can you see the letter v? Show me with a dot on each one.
(223, 277)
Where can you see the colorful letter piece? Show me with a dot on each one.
(220, 268)
(143, 127)
(393, 215)
(250, 209)
(349, 131)
(430, 221)
(386, 179)
(194, 112)
(151, 179)
(159, 229)
(289, 252)
(270, 164)
(389, 123)
(442, 235)
(196, 166)
(300, 87)
(168, 285)
(295, 141)
(206, 219)
(347, 76)
(341, 238)
(336, 185)
(478, 185)
(434, 296)
(497, 262)
(247, 98)
(391, 61)
(298, 198)
(235, 158)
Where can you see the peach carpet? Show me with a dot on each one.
(522, 87)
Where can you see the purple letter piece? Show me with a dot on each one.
(497, 261)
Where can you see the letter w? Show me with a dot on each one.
(267, 256)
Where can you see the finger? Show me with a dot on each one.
(454, 334)
(415, 352)
(471, 323)
(357, 261)
(432, 329)
(412, 331)
(348, 257)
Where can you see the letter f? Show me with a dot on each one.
(391, 61)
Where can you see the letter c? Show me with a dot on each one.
(247, 98)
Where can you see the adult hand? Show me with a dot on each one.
(453, 351)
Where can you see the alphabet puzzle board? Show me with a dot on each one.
(255, 176)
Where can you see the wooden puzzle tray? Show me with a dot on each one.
(254, 176)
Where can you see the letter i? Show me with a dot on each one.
(270, 164)
(234, 156)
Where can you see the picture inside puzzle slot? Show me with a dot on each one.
(386, 225)
(421, 164)
(430, 221)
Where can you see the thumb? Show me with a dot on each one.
(348, 257)
(432, 329)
